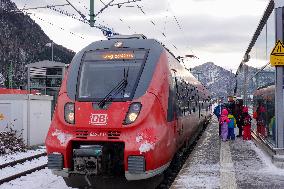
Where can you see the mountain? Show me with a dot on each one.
(22, 41)
(221, 82)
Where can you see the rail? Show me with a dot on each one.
(25, 172)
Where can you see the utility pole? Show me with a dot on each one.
(52, 51)
(245, 67)
(197, 73)
(92, 13)
(50, 45)
(230, 93)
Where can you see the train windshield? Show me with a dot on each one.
(102, 72)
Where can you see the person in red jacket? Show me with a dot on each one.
(247, 124)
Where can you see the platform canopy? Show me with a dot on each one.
(46, 64)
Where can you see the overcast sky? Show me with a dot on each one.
(213, 30)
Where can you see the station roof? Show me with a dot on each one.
(46, 64)
(270, 7)
(279, 3)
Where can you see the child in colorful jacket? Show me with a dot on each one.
(231, 126)
(247, 124)
(224, 124)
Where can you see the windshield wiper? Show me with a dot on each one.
(117, 89)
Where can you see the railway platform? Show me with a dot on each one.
(230, 164)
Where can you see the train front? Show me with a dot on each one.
(110, 119)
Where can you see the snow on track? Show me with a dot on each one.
(42, 179)
(9, 171)
(20, 155)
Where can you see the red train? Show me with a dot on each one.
(125, 107)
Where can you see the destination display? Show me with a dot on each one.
(114, 55)
(118, 56)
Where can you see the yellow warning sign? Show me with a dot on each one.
(277, 55)
(1, 117)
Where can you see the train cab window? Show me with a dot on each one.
(103, 71)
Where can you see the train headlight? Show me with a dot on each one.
(132, 117)
(69, 113)
(133, 112)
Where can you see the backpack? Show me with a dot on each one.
(247, 120)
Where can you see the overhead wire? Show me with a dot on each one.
(151, 21)
(24, 11)
(161, 32)
(43, 7)
(66, 13)
(106, 5)
(110, 3)
(82, 17)
(181, 29)
(119, 5)
(120, 19)
(61, 28)
(83, 5)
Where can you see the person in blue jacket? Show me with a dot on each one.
(218, 112)
(231, 126)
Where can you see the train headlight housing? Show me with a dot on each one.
(133, 112)
(69, 112)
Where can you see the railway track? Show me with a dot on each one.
(177, 163)
(21, 162)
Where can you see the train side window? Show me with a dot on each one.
(173, 97)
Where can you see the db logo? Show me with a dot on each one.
(98, 119)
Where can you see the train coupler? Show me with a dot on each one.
(88, 159)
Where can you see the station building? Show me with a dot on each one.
(261, 85)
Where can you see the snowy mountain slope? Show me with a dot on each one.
(22, 41)
(222, 82)
(218, 80)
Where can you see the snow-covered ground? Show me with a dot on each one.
(10, 171)
(231, 164)
(212, 164)
(20, 155)
(42, 179)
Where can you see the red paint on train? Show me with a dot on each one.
(141, 149)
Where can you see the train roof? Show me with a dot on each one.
(122, 42)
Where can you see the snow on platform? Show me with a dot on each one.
(231, 164)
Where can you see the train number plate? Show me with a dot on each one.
(98, 119)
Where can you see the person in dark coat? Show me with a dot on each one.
(217, 112)
(239, 116)
(230, 106)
